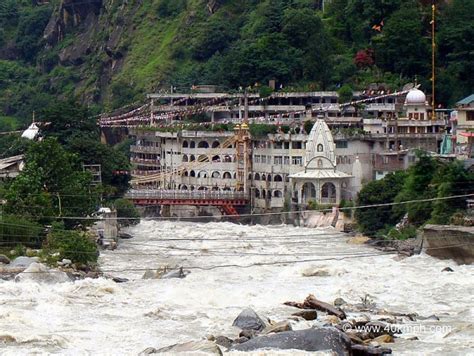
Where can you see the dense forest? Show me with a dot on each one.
(108, 53)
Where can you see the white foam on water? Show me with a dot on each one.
(100, 317)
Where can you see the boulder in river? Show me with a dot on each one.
(192, 346)
(40, 273)
(166, 273)
(248, 319)
(321, 339)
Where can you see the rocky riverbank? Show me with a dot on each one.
(341, 328)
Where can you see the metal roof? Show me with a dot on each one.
(467, 100)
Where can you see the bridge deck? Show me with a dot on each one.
(186, 197)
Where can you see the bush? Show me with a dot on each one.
(73, 245)
(19, 231)
(126, 212)
(405, 233)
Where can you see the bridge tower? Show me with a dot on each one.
(242, 146)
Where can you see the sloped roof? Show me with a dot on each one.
(320, 174)
(467, 100)
(31, 132)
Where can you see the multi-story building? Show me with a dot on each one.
(285, 168)
(464, 127)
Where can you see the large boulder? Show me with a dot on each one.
(192, 346)
(248, 319)
(38, 272)
(323, 339)
(23, 261)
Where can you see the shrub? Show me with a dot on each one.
(126, 212)
(19, 231)
(73, 245)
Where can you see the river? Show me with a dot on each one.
(100, 317)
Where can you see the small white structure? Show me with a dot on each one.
(31, 132)
(319, 181)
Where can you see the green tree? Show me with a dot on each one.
(126, 212)
(73, 245)
(371, 220)
(52, 183)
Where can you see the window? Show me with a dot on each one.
(278, 145)
(416, 116)
(469, 115)
(297, 160)
(264, 159)
(410, 116)
(342, 144)
(422, 116)
(320, 163)
(256, 159)
(278, 160)
(320, 148)
(385, 160)
(286, 160)
(296, 145)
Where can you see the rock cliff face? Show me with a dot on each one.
(70, 14)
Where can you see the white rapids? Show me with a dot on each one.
(100, 317)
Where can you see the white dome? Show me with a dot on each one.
(415, 97)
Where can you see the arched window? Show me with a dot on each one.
(185, 158)
(216, 159)
(216, 174)
(191, 187)
(192, 174)
(184, 187)
(320, 148)
(186, 173)
(264, 177)
(185, 144)
(192, 144)
(227, 175)
(192, 158)
(277, 193)
(227, 158)
(257, 176)
(203, 144)
(202, 188)
(278, 178)
(269, 178)
(216, 144)
(257, 193)
(264, 194)
(226, 189)
(250, 176)
(308, 192)
(215, 189)
(202, 174)
(320, 163)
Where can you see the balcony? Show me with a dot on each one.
(145, 149)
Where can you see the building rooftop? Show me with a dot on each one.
(466, 101)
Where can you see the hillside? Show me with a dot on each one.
(109, 53)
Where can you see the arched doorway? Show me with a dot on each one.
(308, 193)
(328, 193)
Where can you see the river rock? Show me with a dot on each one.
(307, 314)
(248, 319)
(191, 346)
(40, 273)
(277, 328)
(223, 341)
(308, 340)
(358, 240)
(384, 339)
(23, 261)
(4, 259)
(447, 269)
(361, 350)
(332, 319)
(248, 333)
(339, 302)
(176, 273)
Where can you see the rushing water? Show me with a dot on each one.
(101, 317)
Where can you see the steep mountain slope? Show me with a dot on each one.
(110, 53)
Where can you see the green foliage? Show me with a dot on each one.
(371, 220)
(262, 130)
(345, 94)
(16, 231)
(73, 245)
(408, 232)
(51, 184)
(308, 126)
(127, 212)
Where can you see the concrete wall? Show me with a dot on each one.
(450, 242)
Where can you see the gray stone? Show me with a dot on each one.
(176, 273)
(38, 272)
(23, 261)
(339, 301)
(447, 269)
(248, 319)
(249, 334)
(323, 339)
(307, 314)
(4, 259)
(191, 346)
(223, 341)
